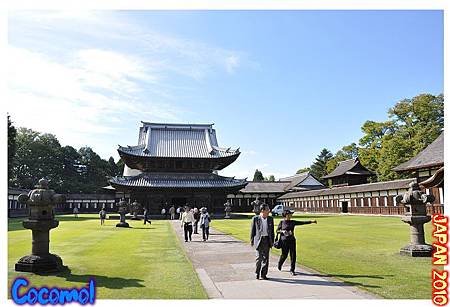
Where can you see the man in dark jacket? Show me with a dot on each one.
(262, 238)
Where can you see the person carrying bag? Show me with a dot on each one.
(287, 241)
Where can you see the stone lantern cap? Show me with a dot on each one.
(41, 201)
(415, 200)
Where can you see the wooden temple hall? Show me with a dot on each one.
(177, 164)
(351, 193)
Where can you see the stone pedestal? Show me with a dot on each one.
(122, 222)
(417, 247)
(40, 259)
(123, 208)
(40, 221)
(414, 202)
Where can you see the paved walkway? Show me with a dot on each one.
(226, 267)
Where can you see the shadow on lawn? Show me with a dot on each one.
(103, 281)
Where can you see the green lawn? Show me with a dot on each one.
(140, 262)
(360, 250)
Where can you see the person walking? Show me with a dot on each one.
(262, 238)
(179, 212)
(196, 220)
(205, 219)
(146, 216)
(288, 244)
(102, 216)
(172, 212)
(75, 212)
(163, 212)
(187, 220)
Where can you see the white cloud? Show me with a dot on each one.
(80, 100)
(87, 75)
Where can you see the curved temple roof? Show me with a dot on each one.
(178, 180)
(431, 156)
(349, 167)
(177, 141)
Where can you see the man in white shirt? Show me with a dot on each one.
(187, 221)
(262, 237)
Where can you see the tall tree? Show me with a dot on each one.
(12, 133)
(258, 176)
(319, 167)
(270, 178)
(94, 169)
(38, 155)
(413, 124)
(120, 167)
(113, 168)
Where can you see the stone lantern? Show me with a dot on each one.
(135, 208)
(41, 219)
(123, 209)
(415, 214)
(256, 206)
(227, 206)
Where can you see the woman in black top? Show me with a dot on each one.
(286, 230)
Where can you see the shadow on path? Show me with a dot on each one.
(345, 275)
(320, 282)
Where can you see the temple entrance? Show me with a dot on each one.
(344, 206)
(179, 201)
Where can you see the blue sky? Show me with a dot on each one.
(281, 85)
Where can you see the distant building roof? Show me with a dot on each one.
(431, 156)
(178, 180)
(368, 187)
(304, 179)
(349, 167)
(265, 187)
(178, 141)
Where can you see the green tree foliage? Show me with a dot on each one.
(38, 155)
(120, 167)
(12, 133)
(258, 176)
(113, 168)
(303, 170)
(413, 124)
(270, 178)
(319, 167)
(68, 170)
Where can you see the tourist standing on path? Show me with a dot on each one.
(102, 216)
(205, 219)
(172, 212)
(75, 212)
(146, 216)
(196, 219)
(262, 238)
(180, 212)
(187, 221)
(288, 244)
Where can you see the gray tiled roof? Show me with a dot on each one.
(368, 187)
(346, 167)
(178, 141)
(178, 180)
(265, 187)
(297, 180)
(432, 155)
